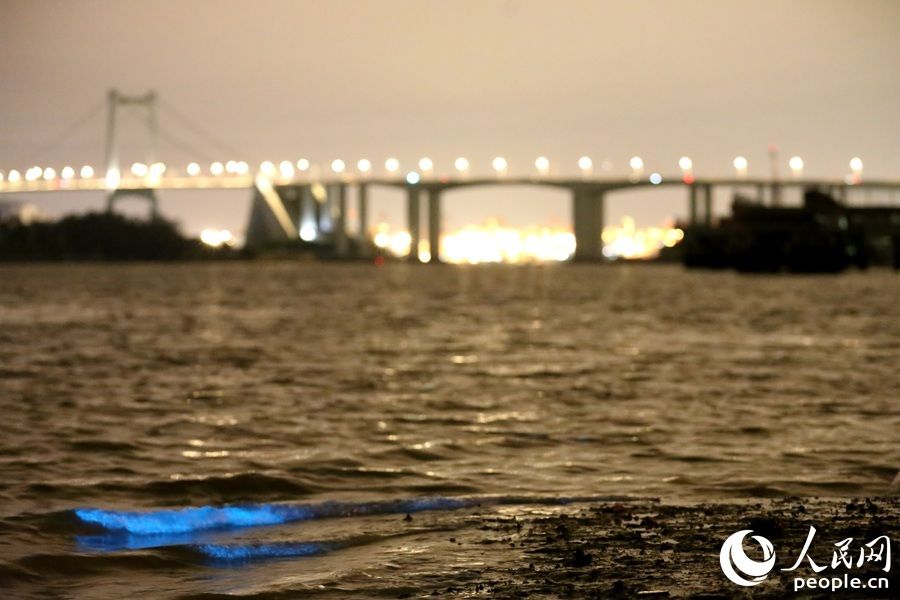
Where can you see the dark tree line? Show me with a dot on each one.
(98, 236)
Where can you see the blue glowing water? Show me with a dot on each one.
(203, 518)
(247, 552)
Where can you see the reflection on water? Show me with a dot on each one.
(142, 388)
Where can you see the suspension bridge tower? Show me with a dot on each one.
(144, 108)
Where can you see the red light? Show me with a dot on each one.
(688, 178)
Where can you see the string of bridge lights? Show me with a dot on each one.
(288, 170)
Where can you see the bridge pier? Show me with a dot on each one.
(364, 243)
(147, 194)
(412, 221)
(707, 205)
(307, 221)
(587, 221)
(434, 225)
(339, 219)
(692, 204)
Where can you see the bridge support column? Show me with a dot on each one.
(339, 220)
(365, 244)
(587, 221)
(147, 194)
(692, 204)
(434, 225)
(707, 205)
(412, 222)
(308, 223)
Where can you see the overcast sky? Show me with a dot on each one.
(279, 79)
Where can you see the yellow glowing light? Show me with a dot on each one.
(424, 252)
(796, 164)
(193, 169)
(267, 167)
(216, 237)
(231, 166)
(157, 170)
(1, 176)
(542, 164)
(286, 169)
(426, 164)
(630, 242)
(740, 163)
(413, 178)
(33, 174)
(636, 163)
(364, 165)
(338, 166)
(499, 164)
(14, 176)
(87, 171)
(303, 164)
(461, 164)
(49, 173)
(856, 164)
(113, 178)
(585, 163)
(242, 168)
(685, 163)
(392, 165)
(217, 168)
(67, 173)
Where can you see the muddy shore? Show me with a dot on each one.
(655, 550)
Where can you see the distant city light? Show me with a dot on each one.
(157, 170)
(49, 173)
(218, 168)
(856, 164)
(499, 164)
(139, 169)
(216, 237)
(338, 166)
(231, 166)
(461, 164)
(33, 174)
(426, 164)
(392, 165)
(740, 165)
(636, 163)
(585, 163)
(655, 178)
(66, 173)
(303, 164)
(542, 164)
(796, 164)
(87, 171)
(193, 169)
(242, 168)
(685, 163)
(13, 176)
(412, 178)
(364, 165)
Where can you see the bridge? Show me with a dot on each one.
(291, 203)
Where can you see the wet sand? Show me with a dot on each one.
(656, 550)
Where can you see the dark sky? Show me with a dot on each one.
(280, 79)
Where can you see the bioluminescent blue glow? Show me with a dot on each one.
(186, 520)
(191, 519)
(245, 552)
(132, 529)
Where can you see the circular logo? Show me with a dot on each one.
(740, 568)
